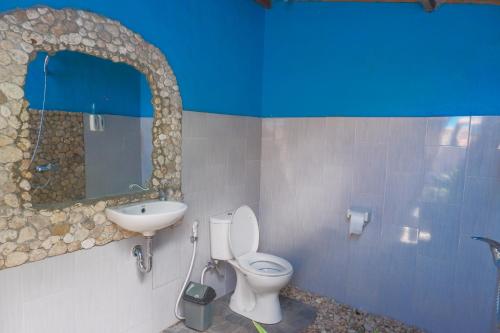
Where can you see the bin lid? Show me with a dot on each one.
(198, 293)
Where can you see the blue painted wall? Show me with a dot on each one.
(213, 46)
(78, 82)
(319, 59)
(359, 59)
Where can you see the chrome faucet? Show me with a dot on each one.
(162, 194)
(52, 166)
(132, 186)
(495, 252)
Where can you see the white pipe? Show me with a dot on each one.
(202, 280)
(194, 239)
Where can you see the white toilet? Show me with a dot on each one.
(234, 237)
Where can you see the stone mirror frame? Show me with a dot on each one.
(28, 234)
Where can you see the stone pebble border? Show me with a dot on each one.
(340, 318)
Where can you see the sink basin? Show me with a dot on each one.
(148, 216)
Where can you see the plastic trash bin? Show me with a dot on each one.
(198, 308)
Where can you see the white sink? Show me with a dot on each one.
(148, 216)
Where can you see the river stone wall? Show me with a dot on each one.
(61, 143)
(28, 234)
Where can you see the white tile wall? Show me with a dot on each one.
(100, 290)
(421, 177)
(430, 183)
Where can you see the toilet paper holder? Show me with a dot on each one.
(366, 215)
(357, 225)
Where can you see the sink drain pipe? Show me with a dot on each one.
(194, 240)
(144, 259)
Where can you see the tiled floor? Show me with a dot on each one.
(297, 317)
(304, 312)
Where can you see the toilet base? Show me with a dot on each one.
(257, 296)
(266, 309)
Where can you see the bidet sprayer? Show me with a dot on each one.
(194, 235)
(494, 247)
(495, 252)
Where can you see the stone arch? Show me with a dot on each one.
(27, 234)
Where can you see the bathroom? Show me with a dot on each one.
(307, 112)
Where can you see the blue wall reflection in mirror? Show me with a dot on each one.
(78, 82)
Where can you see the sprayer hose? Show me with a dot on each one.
(177, 304)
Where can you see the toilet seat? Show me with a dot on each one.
(244, 241)
(243, 232)
(264, 264)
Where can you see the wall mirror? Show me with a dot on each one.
(90, 128)
(112, 116)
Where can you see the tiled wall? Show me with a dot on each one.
(100, 290)
(113, 160)
(431, 183)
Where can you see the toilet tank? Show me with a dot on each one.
(219, 236)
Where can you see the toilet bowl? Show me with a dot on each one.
(234, 237)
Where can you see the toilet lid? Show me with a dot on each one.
(243, 232)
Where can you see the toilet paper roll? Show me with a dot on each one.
(357, 221)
